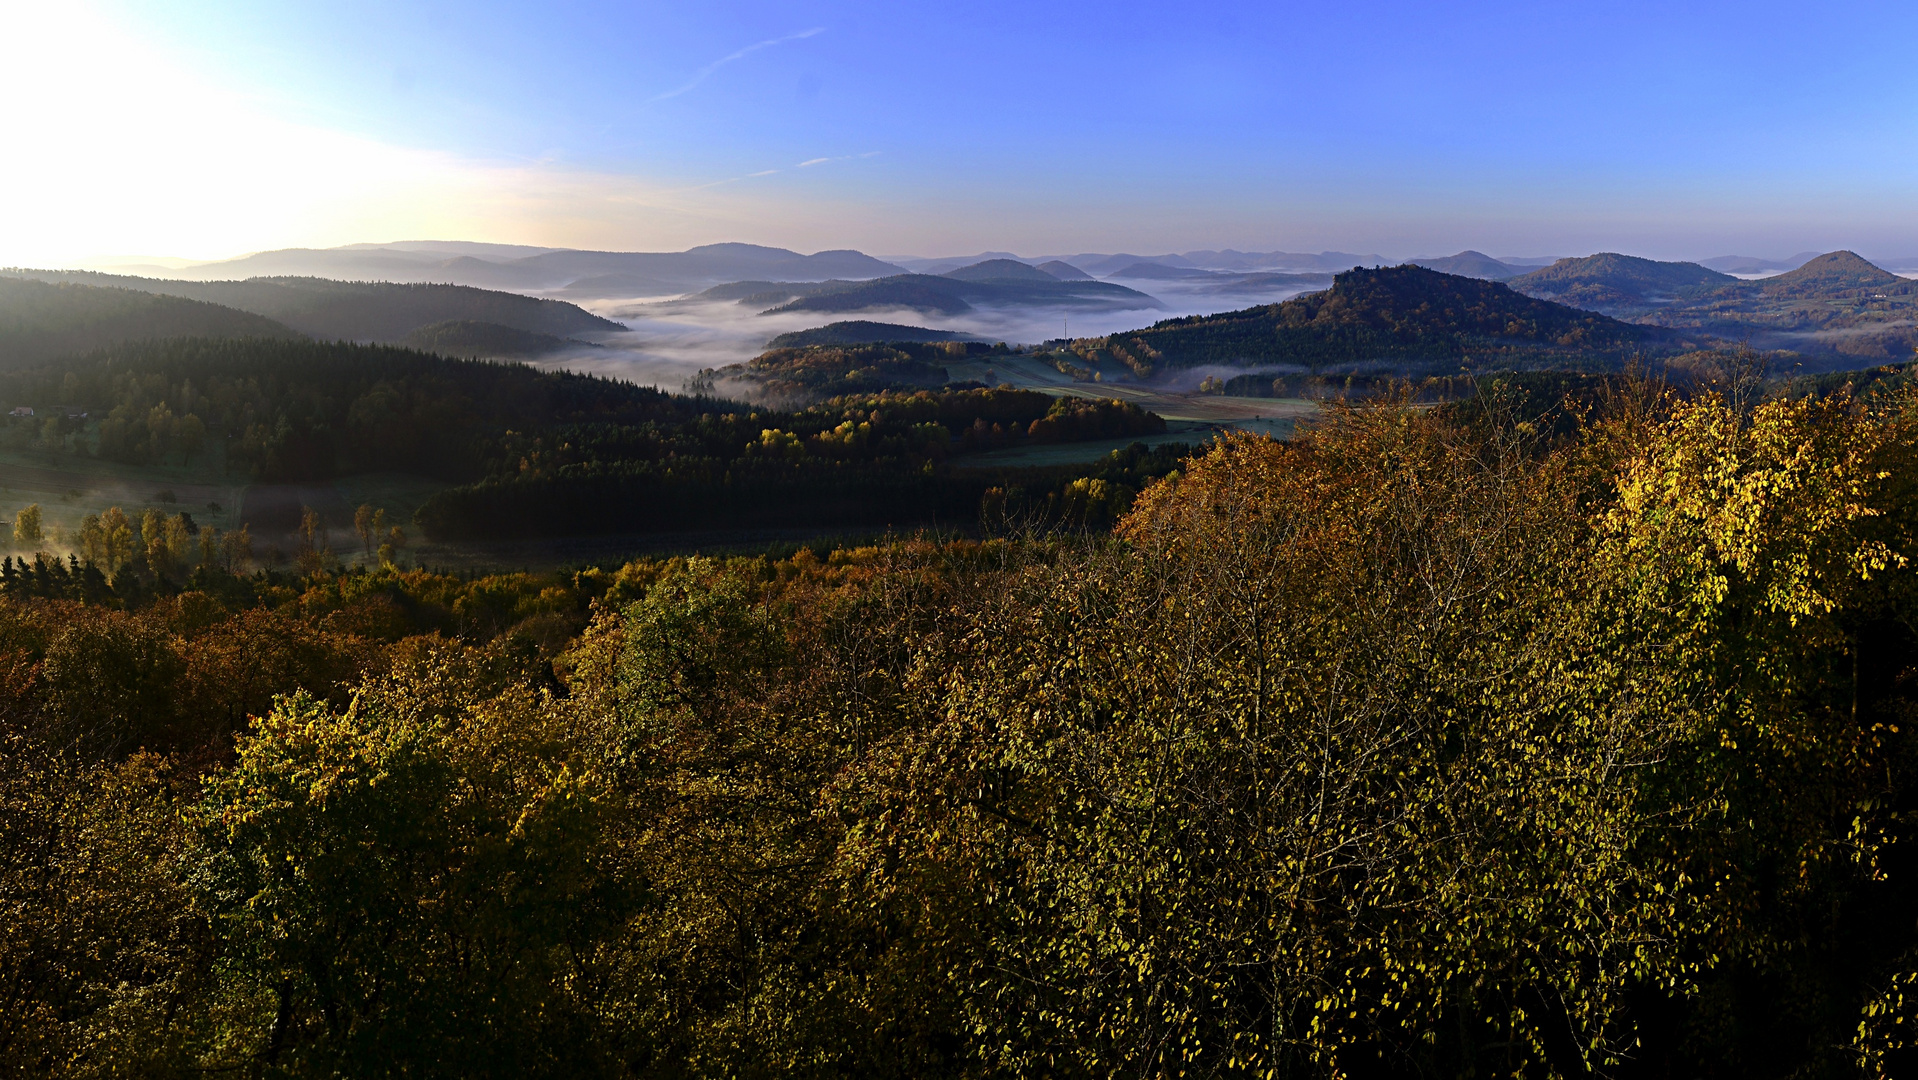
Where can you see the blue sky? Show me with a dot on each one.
(1674, 130)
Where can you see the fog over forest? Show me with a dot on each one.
(671, 341)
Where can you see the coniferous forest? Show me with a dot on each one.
(1504, 737)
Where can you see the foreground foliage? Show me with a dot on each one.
(1433, 743)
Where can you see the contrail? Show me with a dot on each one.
(701, 75)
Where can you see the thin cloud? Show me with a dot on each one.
(703, 73)
(843, 157)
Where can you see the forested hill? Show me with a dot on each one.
(483, 340)
(1831, 274)
(935, 294)
(41, 320)
(548, 453)
(1406, 315)
(292, 410)
(862, 332)
(1616, 284)
(359, 310)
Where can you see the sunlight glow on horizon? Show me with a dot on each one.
(207, 129)
(122, 150)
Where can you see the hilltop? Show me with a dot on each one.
(1619, 284)
(1472, 264)
(359, 310)
(1834, 310)
(41, 320)
(1064, 271)
(948, 295)
(1001, 270)
(862, 332)
(1830, 275)
(1405, 315)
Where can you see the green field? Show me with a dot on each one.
(68, 485)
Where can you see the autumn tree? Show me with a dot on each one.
(27, 526)
(364, 526)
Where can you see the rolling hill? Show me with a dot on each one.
(1064, 271)
(359, 310)
(1471, 264)
(1405, 316)
(950, 295)
(1835, 310)
(861, 332)
(481, 340)
(1829, 276)
(1157, 271)
(1620, 285)
(1747, 264)
(41, 320)
(1001, 270)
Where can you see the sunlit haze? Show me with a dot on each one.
(206, 130)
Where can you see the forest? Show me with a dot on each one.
(331, 310)
(527, 452)
(1528, 735)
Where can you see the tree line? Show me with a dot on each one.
(533, 452)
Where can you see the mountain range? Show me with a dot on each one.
(991, 283)
(575, 274)
(1408, 316)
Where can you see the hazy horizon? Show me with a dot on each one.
(202, 129)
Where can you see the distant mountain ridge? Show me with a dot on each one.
(586, 274)
(1471, 264)
(861, 332)
(1406, 316)
(1619, 285)
(951, 295)
(42, 320)
(359, 311)
(1746, 264)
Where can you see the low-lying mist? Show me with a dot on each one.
(671, 339)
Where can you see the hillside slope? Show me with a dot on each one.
(468, 339)
(940, 295)
(862, 332)
(1619, 284)
(42, 320)
(1836, 310)
(1829, 276)
(360, 310)
(1406, 316)
(1471, 264)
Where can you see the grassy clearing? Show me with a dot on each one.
(1268, 416)
(68, 486)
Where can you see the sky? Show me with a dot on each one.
(205, 130)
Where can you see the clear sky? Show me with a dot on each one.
(1672, 129)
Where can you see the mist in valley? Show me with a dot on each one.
(670, 339)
